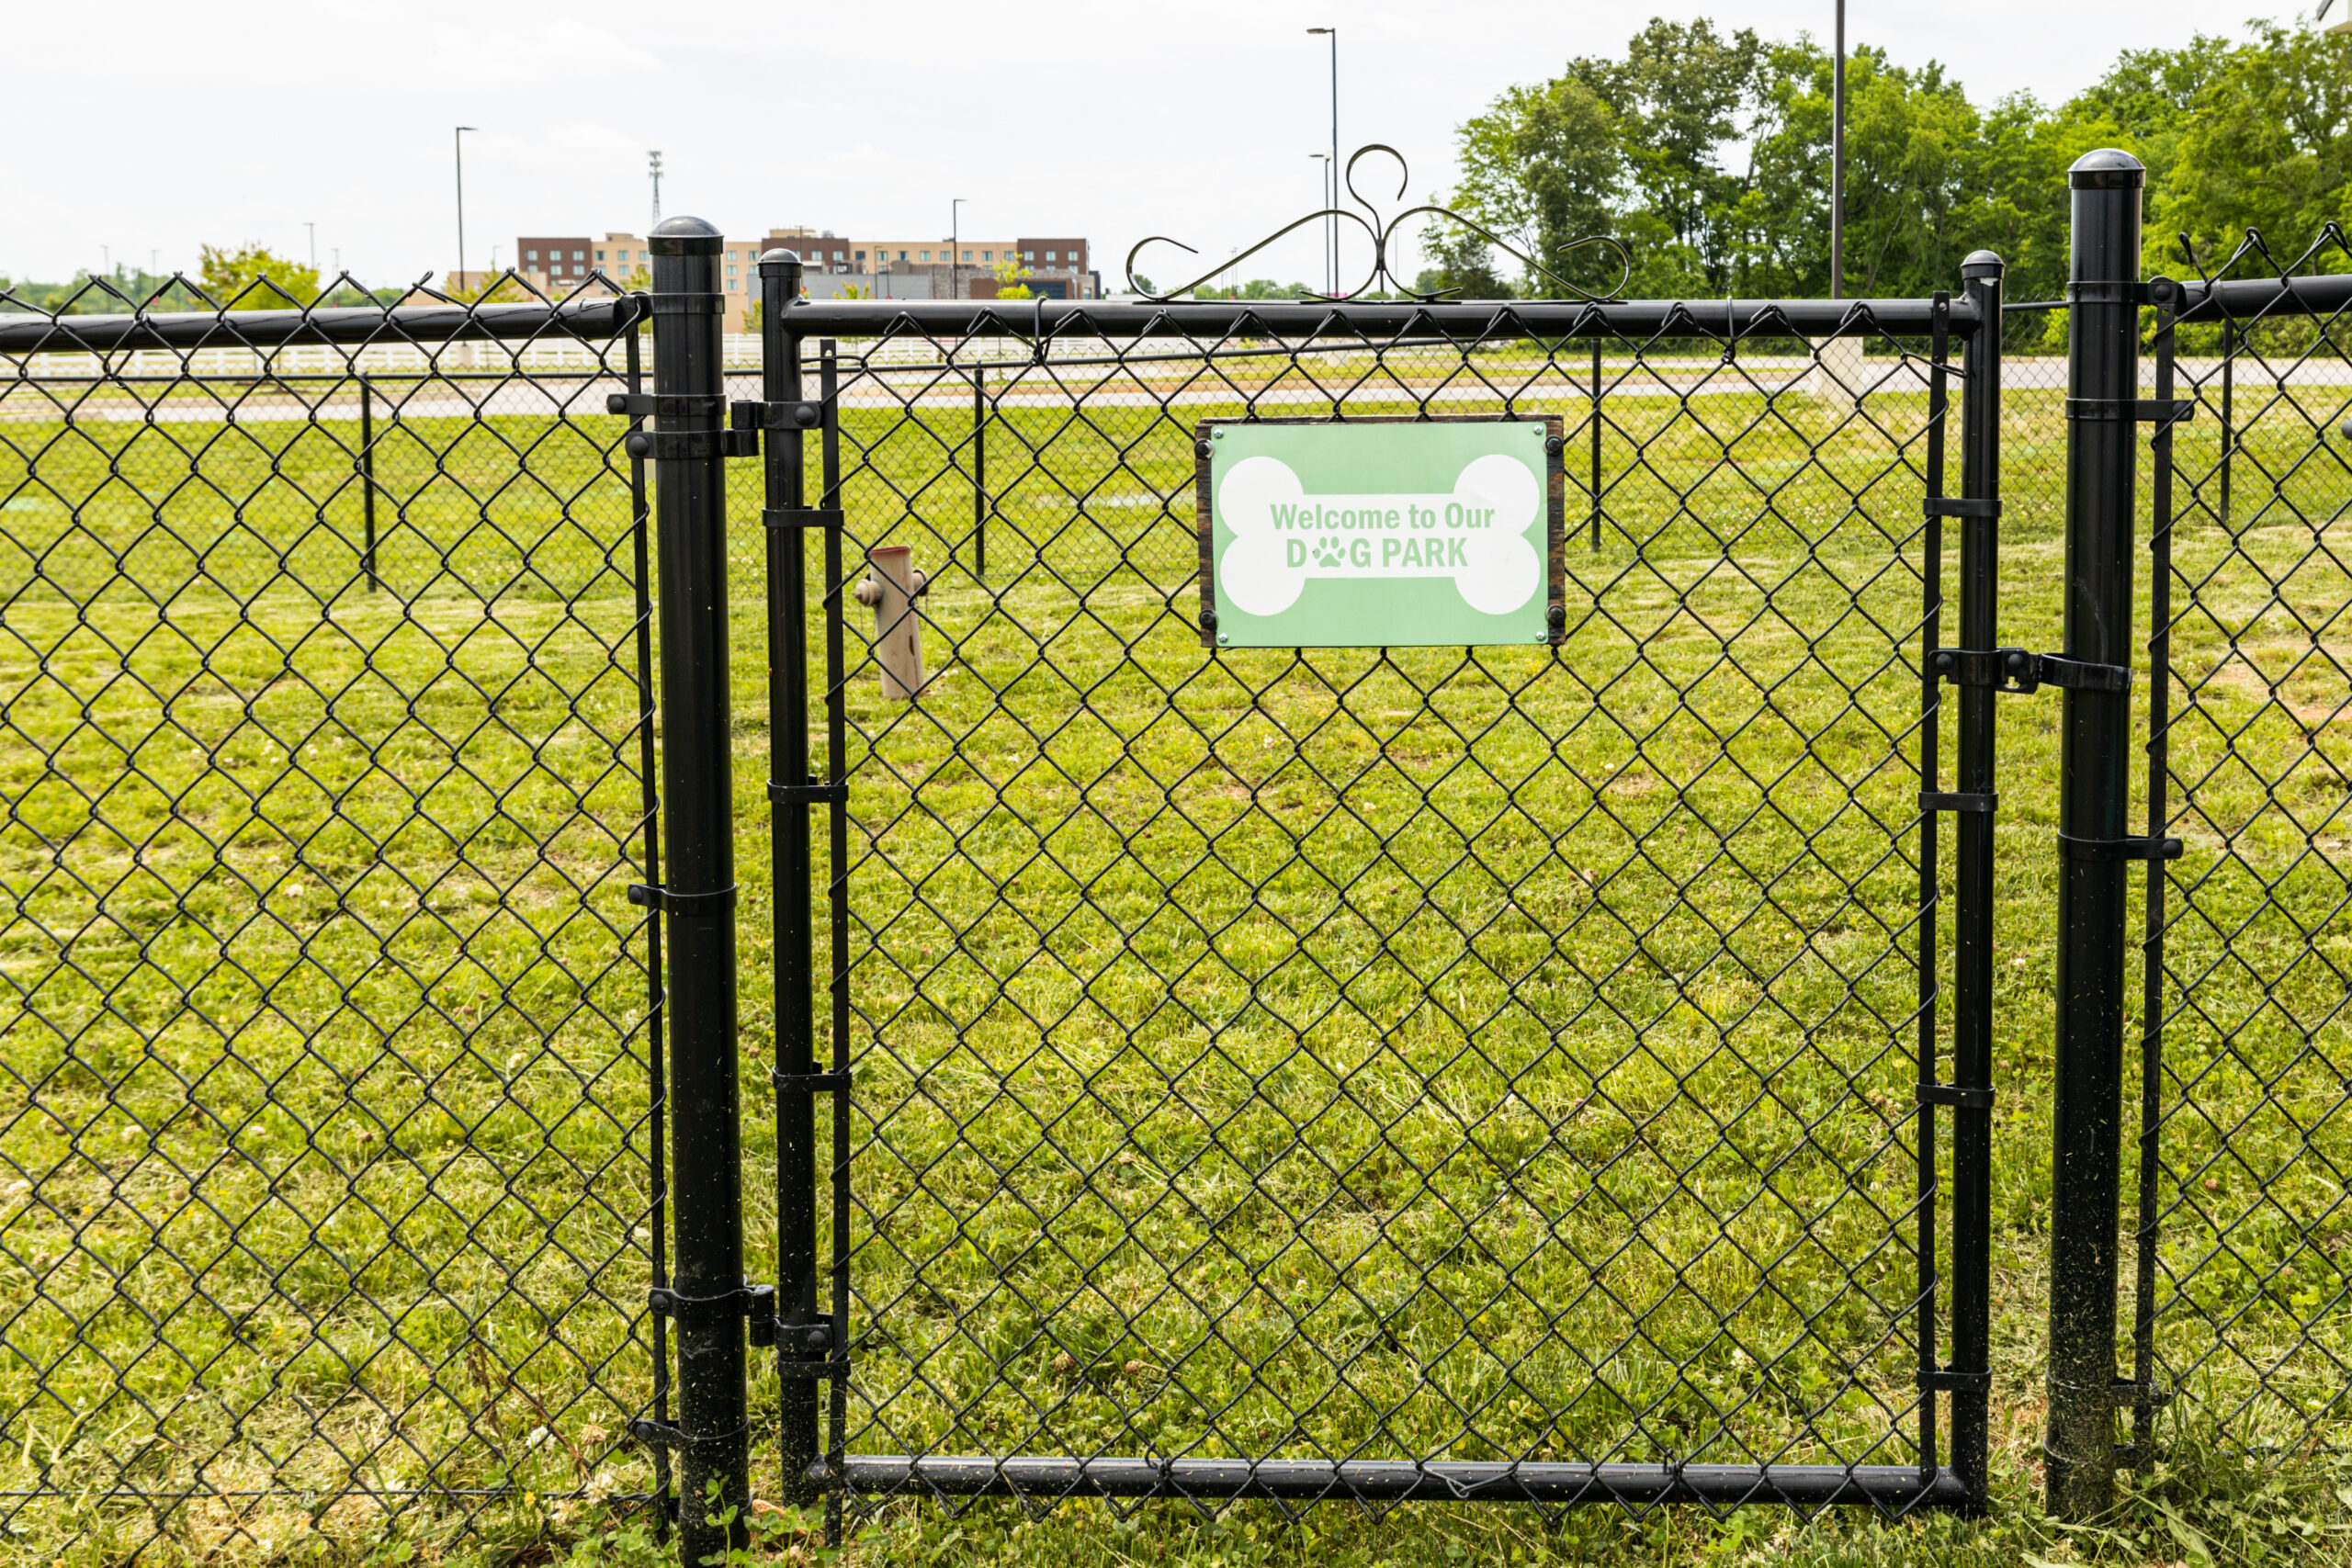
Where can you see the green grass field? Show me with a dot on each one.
(1475, 1054)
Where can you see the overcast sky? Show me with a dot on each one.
(155, 127)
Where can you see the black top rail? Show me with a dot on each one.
(1447, 321)
(1450, 321)
(357, 325)
(2241, 298)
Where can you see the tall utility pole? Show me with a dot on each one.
(1330, 180)
(1837, 164)
(460, 139)
(955, 251)
(1331, 225)
(654, 168)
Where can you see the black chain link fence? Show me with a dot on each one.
(1349, 1055)
(328, 1126)
(1338, 1057)
(2251, 765)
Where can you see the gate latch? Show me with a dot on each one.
(2017, 670)
(746, 417)
(745, 420)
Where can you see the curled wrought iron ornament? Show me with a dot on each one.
(1382, 234)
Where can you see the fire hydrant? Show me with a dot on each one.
(889, 588)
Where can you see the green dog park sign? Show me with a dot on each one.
(1378, 533)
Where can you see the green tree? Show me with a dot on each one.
(1461, 264)
(1008, 279)
(1681, 95)
(1539, 167)
(2266, 143)
(1912, 144)
(252, 279)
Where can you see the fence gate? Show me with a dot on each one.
(1386, 1073)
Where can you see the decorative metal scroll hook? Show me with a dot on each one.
(1404, 174)
(1383, 236)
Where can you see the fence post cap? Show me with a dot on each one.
(1982, 263)
(777, 261)
(685, 237)
(2109, 168)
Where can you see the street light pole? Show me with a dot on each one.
(460, 140)
(955, 248)
(1325, 159)
(1331, 225)
(1837, 164)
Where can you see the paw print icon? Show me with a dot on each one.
(1330, 552)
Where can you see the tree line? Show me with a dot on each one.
(1707, 154)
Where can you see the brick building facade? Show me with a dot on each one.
(1058, 266)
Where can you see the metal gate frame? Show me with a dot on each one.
(813, 1341)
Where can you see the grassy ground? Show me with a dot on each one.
(1430, 1053)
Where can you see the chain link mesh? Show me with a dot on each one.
(2255, 763)
(325, 1118)
(1484, 1053)
(1491, 1054)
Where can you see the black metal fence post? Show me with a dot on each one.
(367, 480)
(2229, 424)
(981, 473)
(1972, 1134)
(1595, 486)
(2102, 464)
(795, 1114)
(698, 837)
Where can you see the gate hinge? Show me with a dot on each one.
(1953, 1095)
(814, 1339)
(1952, 1379)
(1959, 506)
(1950, 800)
(805, 1352)
(2073, 848)
(713, 903)
(2016, 670)
(756, 1303)
(2149, 411)
(816, 792)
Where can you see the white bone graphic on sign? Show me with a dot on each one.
(1475, 534)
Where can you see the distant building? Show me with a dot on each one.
(557, 263)
(1057, 267)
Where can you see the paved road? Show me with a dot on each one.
(1058, 386)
